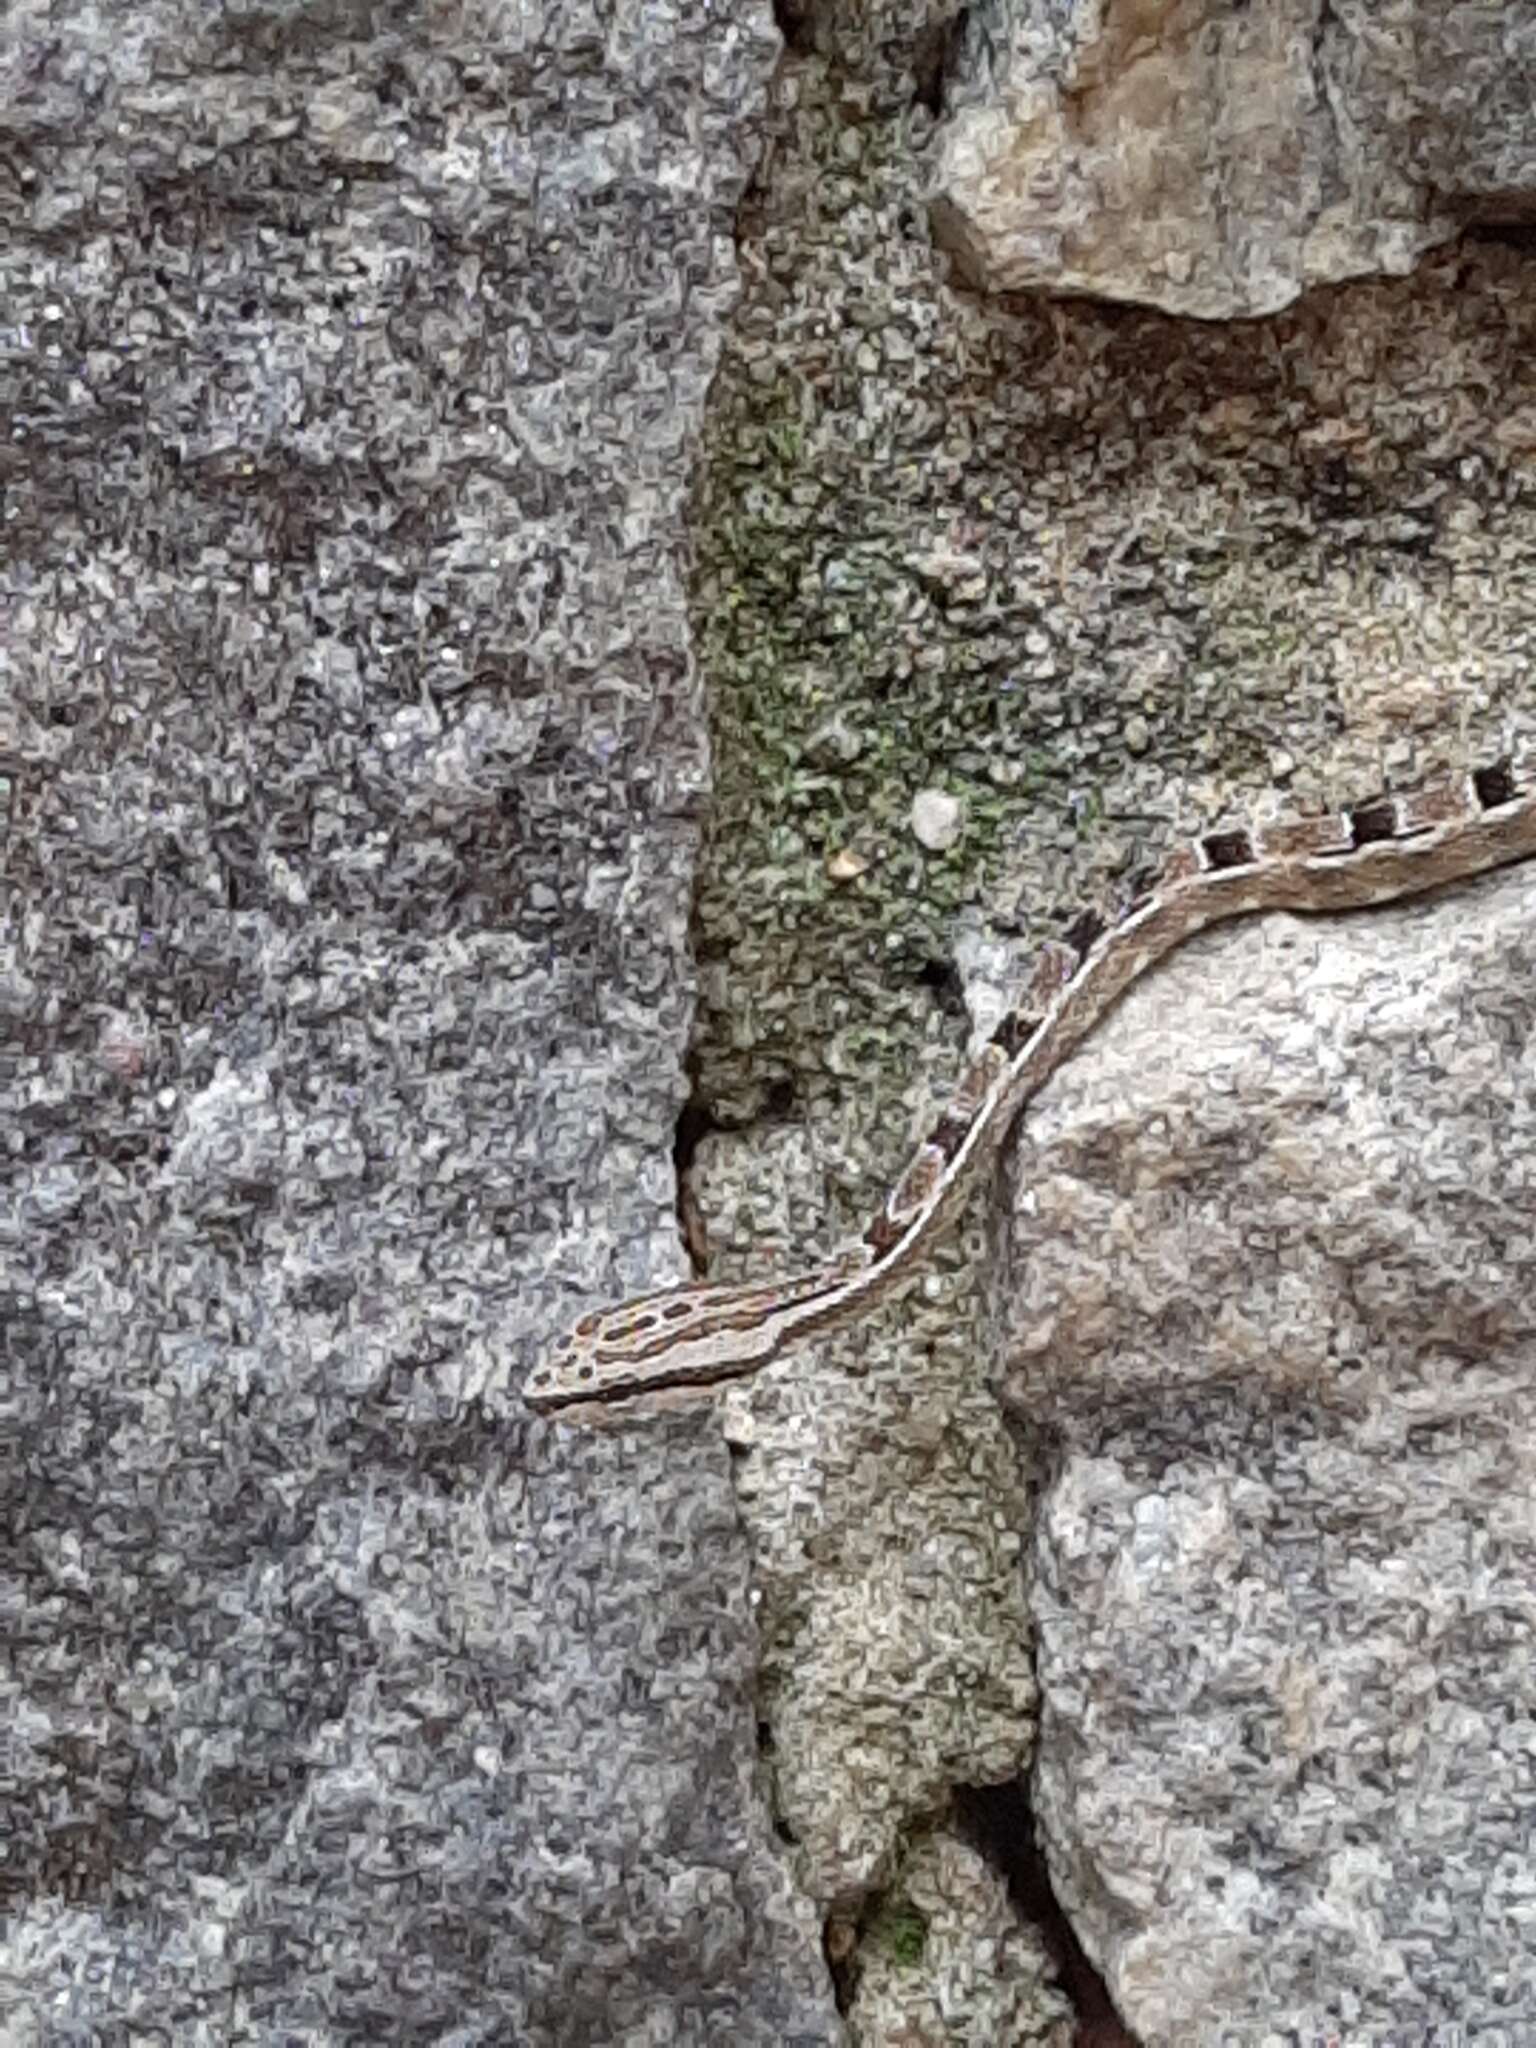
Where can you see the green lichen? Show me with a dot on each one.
(857, 655)
(945, 543)
(901, 1931)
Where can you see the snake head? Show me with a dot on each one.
(606, 1354)
(681, 1336)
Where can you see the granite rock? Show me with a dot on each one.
(351, 768)
(1274, 1264)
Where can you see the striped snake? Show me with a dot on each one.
(1372, 852)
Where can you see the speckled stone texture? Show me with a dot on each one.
(1218, 160)
(350, 770)
(1102, 576)
(1273, 1316)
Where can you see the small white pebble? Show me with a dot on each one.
(936, 819)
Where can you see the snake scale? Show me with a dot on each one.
(1368, 853)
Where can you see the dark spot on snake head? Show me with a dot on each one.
(584, 1372)
(1228, 849)
(1371, 823)
(1494, 785)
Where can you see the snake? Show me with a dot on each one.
(1390, 846)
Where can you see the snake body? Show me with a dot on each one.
(1369, 853)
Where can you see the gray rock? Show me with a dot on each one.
(351, 769)
(1275, 1268)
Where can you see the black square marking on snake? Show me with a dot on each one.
(1014, 1032)
(1371, 823)
(1082, 932)
(1228, 849)
(948, 1134)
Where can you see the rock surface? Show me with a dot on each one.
(1275, 1251)
(947, 1958)
(1092, 570)
(351, 761)
(351, 765)
(1218, 161)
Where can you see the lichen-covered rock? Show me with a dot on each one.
(946, 1958)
